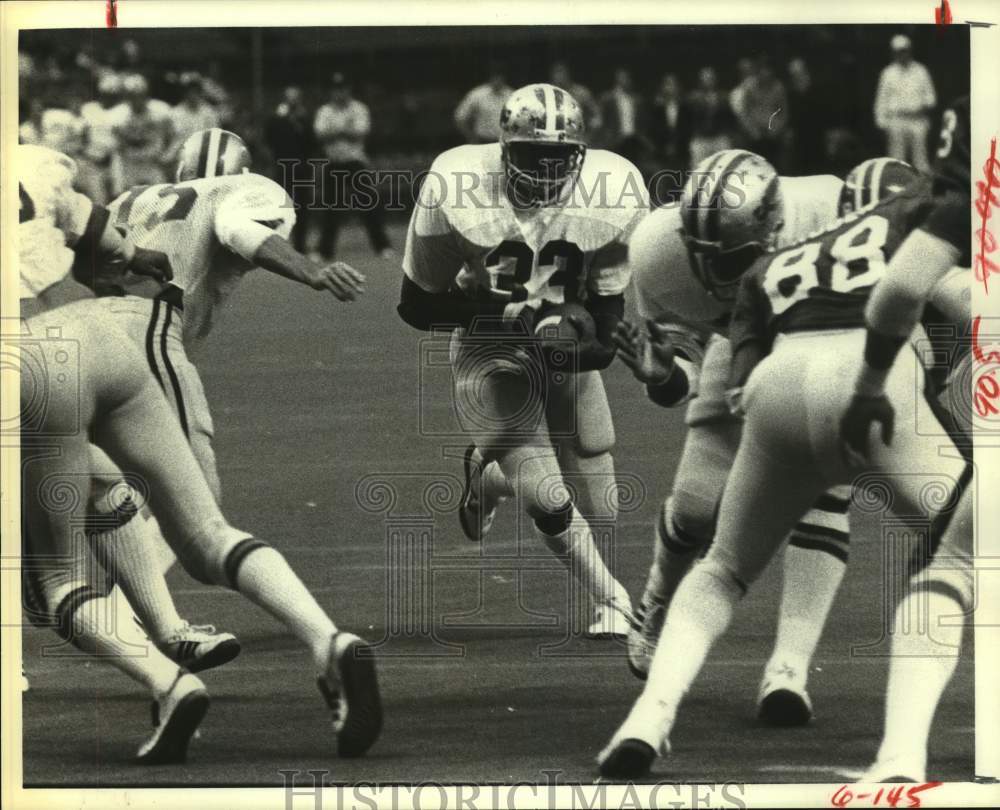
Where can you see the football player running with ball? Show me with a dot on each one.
(797, 333)
(686, 262)
(530, 273)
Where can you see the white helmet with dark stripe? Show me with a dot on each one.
(731, 212)
(874, 180)
(212, 153)
(541, 141)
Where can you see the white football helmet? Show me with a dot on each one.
(212, 153)
(872, 181)
(731, 213)
(541, 142)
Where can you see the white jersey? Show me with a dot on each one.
(665, 283)
(210, 230)
(52, 217)
(464, 231)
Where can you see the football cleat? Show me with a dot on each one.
(198, 647)
(176, 717)
(635, 746)
(643, 638)
(350, 688)
(783, 700)
(475, 514)
(612, 620)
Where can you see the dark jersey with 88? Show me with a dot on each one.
(824, 282)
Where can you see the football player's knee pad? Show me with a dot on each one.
(675, 537)
(826, 526)
(689, 518)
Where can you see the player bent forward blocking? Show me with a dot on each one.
(798, 330)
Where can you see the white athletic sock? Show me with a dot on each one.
(673, 556)
(266, 579)
(575, 547)
(925, 653)
(811, 581)
(132, 558)
(106, 629)
(699, 614)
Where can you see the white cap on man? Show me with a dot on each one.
(900, 42)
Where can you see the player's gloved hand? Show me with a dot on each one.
(340, 278)
(151, 263)
(856, 423)
(649, 354)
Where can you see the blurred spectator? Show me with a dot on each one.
(215, 92)
(560, 77)
(103, 173)
(620, 114)
(807, 120)
(745, 71)
(670, 129)
(194, 113)
(763, 112)
(144, 134)
(289, 136)
(477, 116)
(712, 120)
(903, 104)
(342, 126)
(62, 130)
(131, 55)
(29, 129)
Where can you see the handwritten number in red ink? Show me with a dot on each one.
(893, 796)
(986, 199)
(111, 14)
(942, 14)
(841, 797)
(913, 794)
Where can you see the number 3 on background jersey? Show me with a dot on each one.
(858, 261)
(566, 277)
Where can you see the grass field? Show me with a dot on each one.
(309, 397)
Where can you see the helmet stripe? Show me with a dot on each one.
(695, 214)
(863, 194)
(559, 96)
(202, 155)
(876, 184)
(213, 153)
(220, 163)
(550, 105)
(711, 215)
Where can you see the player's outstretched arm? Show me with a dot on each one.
(653, 359)
(103, 254)
(279, 257)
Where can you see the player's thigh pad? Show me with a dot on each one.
(707, 457)
(498, 402)
(578, 408)
(709, 403)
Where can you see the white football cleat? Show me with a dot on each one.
(782, 699)
(611, 620)
(635, 746)
(198, 647)
(176, 716)
(642, 639)
(350, 688)
(476, 513)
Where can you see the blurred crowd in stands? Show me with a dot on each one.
(124, 122)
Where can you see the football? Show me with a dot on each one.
(555, 323)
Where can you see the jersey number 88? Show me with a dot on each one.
(858, 261)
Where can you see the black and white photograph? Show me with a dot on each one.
(534, 410)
